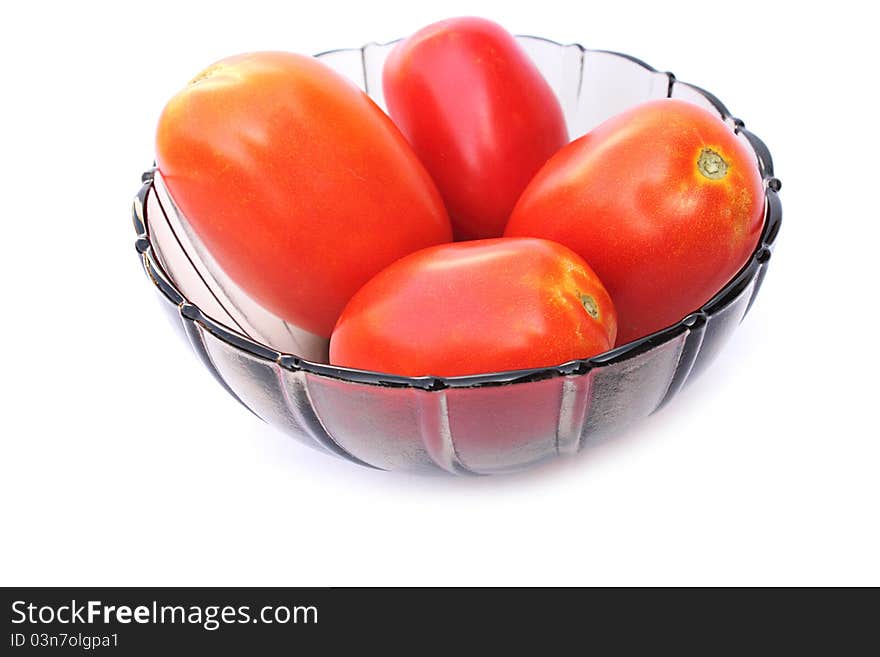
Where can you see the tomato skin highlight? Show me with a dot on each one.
(663, 201)
(297, 183)
(476, 307)
(478, 113)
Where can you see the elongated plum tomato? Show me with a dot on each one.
(478, 113)
(297, 183)
(471, 307)
(663, 201)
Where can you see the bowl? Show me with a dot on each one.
(483, 424)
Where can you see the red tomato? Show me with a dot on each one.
(479, 115)
(662, 200)
(296, 182)
(472, 307)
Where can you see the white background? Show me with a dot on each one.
(124, 463)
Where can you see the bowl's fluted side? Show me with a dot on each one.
(498, 422)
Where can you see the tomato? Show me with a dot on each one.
(478, 113)
(297, 183)
(480, 306)
(663, 201)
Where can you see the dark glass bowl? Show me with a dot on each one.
(488, 423)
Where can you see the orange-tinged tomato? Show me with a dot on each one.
(663, 201)
(479, 114)
(475, 307)
(297, 183)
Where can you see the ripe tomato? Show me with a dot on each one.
(296, 182)
(662, 200)
(479, 115)
(472, 307)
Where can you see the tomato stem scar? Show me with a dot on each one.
(206, 73)
(712, 165)
(590, 305)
